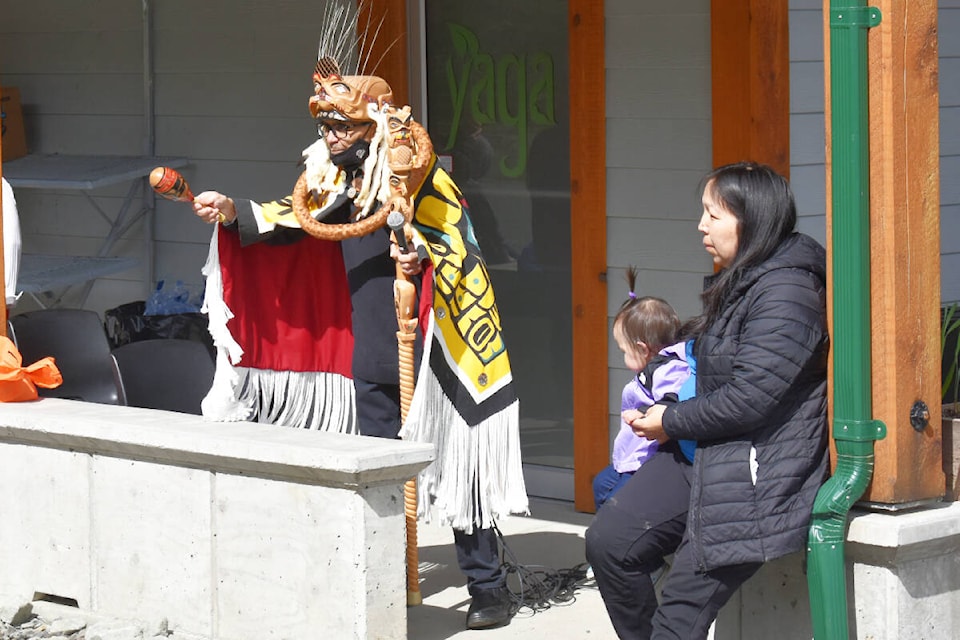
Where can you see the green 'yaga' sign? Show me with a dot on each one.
(512, 90)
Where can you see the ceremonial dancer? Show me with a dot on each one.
(317, 266)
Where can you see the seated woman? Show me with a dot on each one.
(759, 420)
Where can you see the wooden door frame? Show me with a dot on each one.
(588, 247)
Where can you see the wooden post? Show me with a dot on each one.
(390, 56)
(750, 80)
(588, 242)
(905, 246)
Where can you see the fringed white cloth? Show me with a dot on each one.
(307, 400)
(476, 477)
(310, 400)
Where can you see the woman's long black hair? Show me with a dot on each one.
(762, 201)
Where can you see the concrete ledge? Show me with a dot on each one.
(903, 581)
(227, 530)
(241, 447)
(896, 530)
(905, 573)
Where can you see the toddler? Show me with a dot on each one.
(646, 330)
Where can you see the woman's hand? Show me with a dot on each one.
(409, 261)
(212, 206)
(647, 425)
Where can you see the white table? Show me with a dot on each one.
(86, 173)
(44, 273)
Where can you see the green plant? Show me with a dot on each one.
(950, 339)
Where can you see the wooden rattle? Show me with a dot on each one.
(169, 184)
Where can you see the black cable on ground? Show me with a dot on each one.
(536, 588)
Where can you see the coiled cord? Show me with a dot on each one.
(536, 588)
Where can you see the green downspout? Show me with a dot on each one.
(854, 430)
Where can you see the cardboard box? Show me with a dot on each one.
(11, 117)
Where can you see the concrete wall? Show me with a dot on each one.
(227, 530)
(903, 581)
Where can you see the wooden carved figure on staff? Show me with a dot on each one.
(405, 304)
(332, 258)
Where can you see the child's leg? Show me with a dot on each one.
(602, 483)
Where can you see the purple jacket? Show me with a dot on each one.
(659, 382)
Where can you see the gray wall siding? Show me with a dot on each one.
(658, 148)
(807, 129)
(79, 75)
(231, 83)
(949, 43)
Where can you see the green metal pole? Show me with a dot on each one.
(853, 429)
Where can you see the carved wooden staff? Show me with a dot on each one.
(405, 301)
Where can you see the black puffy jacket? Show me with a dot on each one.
(760, 414)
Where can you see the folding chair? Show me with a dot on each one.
(78, 343)
(166, 373)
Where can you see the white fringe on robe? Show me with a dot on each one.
(476, 477)
(310, 400)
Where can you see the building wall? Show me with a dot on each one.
(658, 149)
(658, 137)
(807, 128)
(79, 77)
(231, 85)
(949, 26)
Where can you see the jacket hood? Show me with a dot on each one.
(797, 251)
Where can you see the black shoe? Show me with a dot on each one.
(489, 608)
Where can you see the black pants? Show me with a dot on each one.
(378, 408)
(478, 555)
(692, 599)
(632, 533)
(628, 540)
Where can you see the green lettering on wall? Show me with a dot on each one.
(490, 90)
(465, 45)
(514, 66)
(482, 94)
(541, 93)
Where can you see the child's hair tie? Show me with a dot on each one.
(632, 295)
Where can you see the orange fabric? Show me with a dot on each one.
(18, 383)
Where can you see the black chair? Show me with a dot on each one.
(166, 373)
(78, 343)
